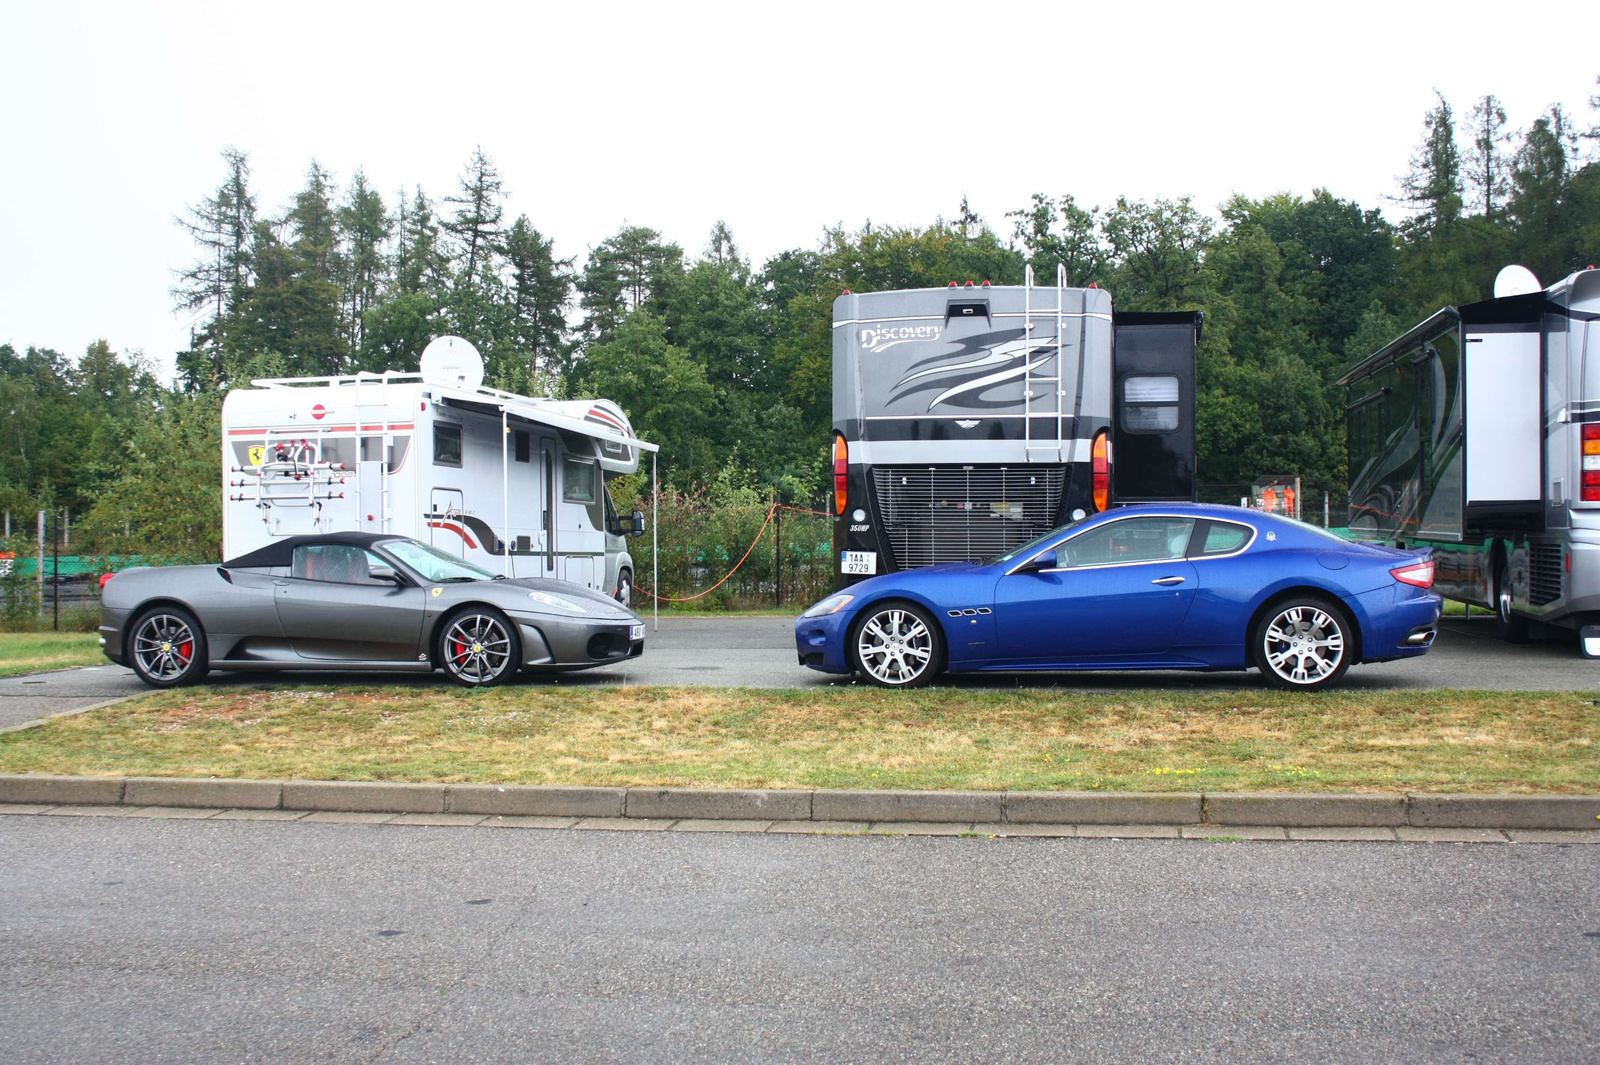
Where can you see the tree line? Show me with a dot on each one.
(728, 364)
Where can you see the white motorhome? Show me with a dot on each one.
(513, 483)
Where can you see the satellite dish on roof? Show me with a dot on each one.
(1516, 281)
(452, 361)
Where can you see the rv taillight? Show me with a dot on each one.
(841, 474)
(1419, 575)
(1591, 439)
(1102, 471)
(1591, 495)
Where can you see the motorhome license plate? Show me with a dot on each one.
(635, 632)
(859, 563)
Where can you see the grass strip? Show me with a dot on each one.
(30, 652)
(1031, 739)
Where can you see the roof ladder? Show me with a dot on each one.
(1043, 450)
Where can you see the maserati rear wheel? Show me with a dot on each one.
(167, 647)
(1303, 644)
(896, 645)
(479, 648)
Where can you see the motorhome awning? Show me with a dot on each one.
(538, 413)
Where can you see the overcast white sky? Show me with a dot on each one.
(779, 118)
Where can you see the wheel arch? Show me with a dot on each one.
(437, 629)
(161, 602)
(1298, 591)
(889, 599)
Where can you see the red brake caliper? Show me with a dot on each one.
(186, 650)
(459, 650)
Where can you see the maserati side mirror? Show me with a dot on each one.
(1043, 560)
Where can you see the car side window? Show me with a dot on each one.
(1129, 540)
(335, 564)
(1222, 538)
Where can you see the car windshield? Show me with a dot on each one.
(1034, 544)
(434, 564)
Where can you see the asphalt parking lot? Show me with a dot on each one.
(201, 941)
(758, 652)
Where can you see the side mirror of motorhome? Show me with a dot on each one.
(636, 525)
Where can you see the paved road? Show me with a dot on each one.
(151, 941)
(759, 652)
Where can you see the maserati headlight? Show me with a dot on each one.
(831, 605)
(559, 602)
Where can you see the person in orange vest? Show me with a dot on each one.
(1288, 502)
(1269, 500)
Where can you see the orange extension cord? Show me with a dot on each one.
(770, 513)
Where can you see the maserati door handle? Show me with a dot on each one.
(1167, 580)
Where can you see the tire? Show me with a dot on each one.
(167, 647)
(1303, 644)
(624, 592)
(1513, 628)
(479, 647)
(896, 645)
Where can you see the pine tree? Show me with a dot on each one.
(475, 223)
(631, 269)
(364, 225)
(212, 287)
(1487, 166)
(1432, 187)
(540, 290)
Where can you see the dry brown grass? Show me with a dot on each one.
(1441, 741)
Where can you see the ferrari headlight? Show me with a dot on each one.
(559, 602)
(831, 605)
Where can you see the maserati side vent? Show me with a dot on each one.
(939, 515)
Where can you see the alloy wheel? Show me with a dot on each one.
(477, 648)
(895, 647)
(164, 646)
(1304, 645)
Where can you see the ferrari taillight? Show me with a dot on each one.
(1418, 574)
(841, 474)
(1102, 471)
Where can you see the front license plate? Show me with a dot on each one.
(635, 632)
(859, 563)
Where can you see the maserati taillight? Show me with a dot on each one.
(1418, 574)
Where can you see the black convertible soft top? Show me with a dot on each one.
(281, 552)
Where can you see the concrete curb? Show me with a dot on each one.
(1571, 812)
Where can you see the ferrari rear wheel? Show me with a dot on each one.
(896, 645)
(1303, 644)
(167, 647)
(479, 647)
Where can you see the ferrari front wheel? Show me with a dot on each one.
(479, 648)
(895, 645)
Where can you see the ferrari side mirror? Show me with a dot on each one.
(383, 573)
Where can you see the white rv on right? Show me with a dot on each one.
(1478, 433)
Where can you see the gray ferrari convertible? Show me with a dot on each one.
(357, 601)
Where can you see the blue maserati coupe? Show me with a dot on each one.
(1186, 586)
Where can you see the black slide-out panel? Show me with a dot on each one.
(1152, 434)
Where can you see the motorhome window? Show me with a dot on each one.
(1129, 540)
(339, 450)
(446, 445)
(335, 564)
(1150, 404)
(577, 480)
(524, 445)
